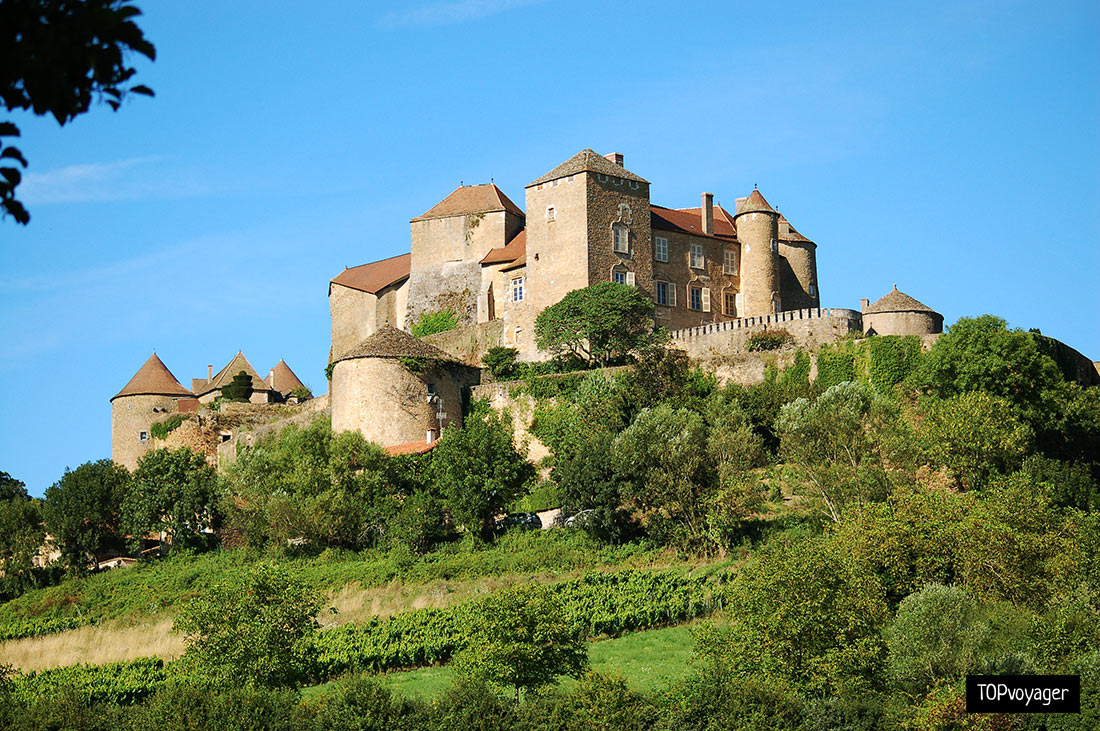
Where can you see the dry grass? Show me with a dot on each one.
(94, 645)
(123, 640)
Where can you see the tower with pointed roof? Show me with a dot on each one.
(758, 232)
(152, 395)
(211, 388)
(449, 241)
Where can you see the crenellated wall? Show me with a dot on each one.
(810, 328)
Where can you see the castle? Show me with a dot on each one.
(715, 275)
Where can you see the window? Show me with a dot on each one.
(622, 238)
(731, 304)
(775, 245)
(518, 336)
(696, 295)
(143, 436)
(813, 290)
(517, 289)
(549, 213)
(660, 253)
(618, 277)
(666, 294)
(729, 262)
(630, 279)
(696, 256)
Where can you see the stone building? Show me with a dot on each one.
(397, 390)
(588, 220)
(211, 387)
(150, 396)
(896, 313)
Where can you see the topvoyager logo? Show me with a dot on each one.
(1023, 694)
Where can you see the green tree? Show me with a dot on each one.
(667, 471)
(834, 444)
(255, 632)
(21, 537)
(501, 362)
(239, 389)
(478, 471)
(56, 58)
(598, 325)
(975, 435)
(174, 492)
(810, 614)
(521, 639)
(935, 638)
(82, 512)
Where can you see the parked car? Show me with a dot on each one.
(519, 521)
(580, 520)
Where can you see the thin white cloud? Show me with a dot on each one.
(138, 178)
(456, 11)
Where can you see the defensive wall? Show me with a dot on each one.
(810, 329)
(303, 415)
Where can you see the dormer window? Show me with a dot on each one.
(621, 238)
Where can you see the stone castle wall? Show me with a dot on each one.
(132, 416)
(810, 328)
(280, 417)
(469, 344)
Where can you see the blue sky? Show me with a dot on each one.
(951, 148)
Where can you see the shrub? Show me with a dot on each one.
(162, 429)
(239, 389)
(501, 362)
(431, 323)
(769, 340)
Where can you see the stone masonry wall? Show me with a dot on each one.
(469, 344)
(810, 329)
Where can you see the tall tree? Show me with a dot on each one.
(174, 492)
(82, 512)
(598, 324)
(56, 58)
(21, 536)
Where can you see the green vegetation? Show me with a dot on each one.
(431, 323)
(598, 325)
(82, 512)
(239, 390)
(905, 519)
(769, 340)
(174, 493)
(162, 429)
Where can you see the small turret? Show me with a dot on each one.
(150, 396)
(758, 231)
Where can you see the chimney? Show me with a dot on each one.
(739, 204)
(209, 373)
(864, 304)
(271, 378)
(707, 212)
(615, 157)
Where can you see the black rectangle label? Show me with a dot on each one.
(1023, 694)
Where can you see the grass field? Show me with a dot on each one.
(645, 660)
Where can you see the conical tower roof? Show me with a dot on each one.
(755, 203)
(153, 379)
(283, 379)
(389, 342)
(895, 301)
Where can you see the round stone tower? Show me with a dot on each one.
(896, 313)
(151, 396)
(758, 231)
(395, 389)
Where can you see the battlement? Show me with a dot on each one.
(810, 328)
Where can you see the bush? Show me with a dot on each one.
(431, 323)
(769, 340)
(162, 429)
(239, 389)
(501, 362)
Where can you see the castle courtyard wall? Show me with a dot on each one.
(810, 328)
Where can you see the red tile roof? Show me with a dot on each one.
(418, 447)
(471, 199)
(153, 379)
(515, 248)
(376, 276)
(688, 221)
(283, 379)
